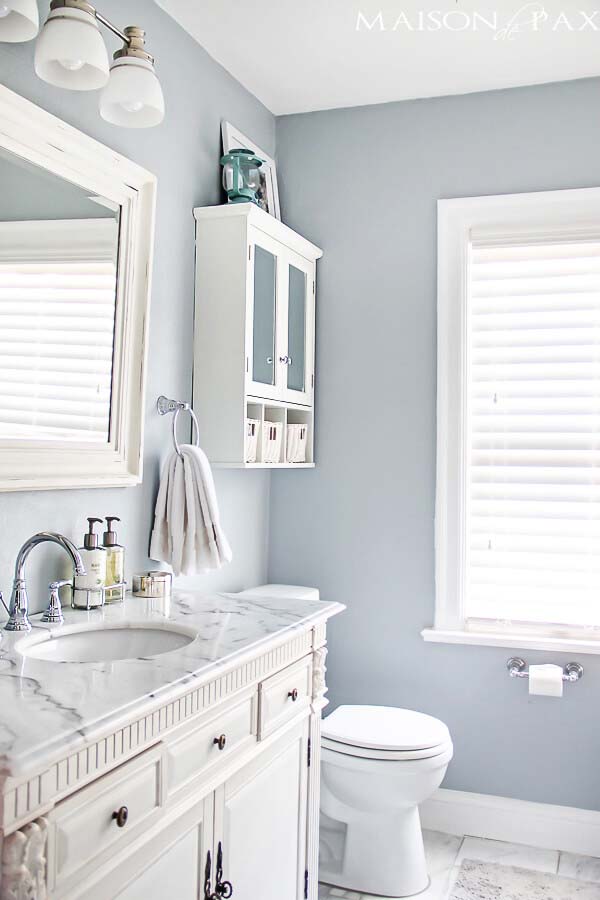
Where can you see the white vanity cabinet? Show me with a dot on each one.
(216, 787)
(254, 332)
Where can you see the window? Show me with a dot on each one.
(57, 322)
(518, 489)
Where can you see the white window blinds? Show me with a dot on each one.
(532, 543)
(57, 319)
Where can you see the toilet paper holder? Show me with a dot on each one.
(517, 668)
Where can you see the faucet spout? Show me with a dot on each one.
(18, 619)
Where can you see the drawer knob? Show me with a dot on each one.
(220, 741)
(293, 694)
(121, 815)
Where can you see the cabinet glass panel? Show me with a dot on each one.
(265, 296)
(296, 330)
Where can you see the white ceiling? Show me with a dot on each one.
(300, 55)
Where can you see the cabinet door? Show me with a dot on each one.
(177, 873)
(260, 822)
(296, 330)
(264, 302)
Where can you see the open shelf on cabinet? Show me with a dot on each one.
(278, 435)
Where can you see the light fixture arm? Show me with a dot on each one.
(108, 24)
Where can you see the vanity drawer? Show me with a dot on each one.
(196, 750)
(101, 817)
(284, 695)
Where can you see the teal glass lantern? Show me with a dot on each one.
(241, 175)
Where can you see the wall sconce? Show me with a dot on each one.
(71, 53)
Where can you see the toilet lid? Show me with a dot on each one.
(384, 728)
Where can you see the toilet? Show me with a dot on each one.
(378, 764)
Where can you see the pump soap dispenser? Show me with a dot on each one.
(115, 563)
(88, 589)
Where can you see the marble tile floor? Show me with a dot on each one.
(446, 852)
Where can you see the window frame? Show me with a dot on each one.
(548, 214)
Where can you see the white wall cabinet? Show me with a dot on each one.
(254, 336)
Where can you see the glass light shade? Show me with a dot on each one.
(133, 96)
(70, 52)
(19, 20)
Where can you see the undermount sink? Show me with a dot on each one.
(105, 644)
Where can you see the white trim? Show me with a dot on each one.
(35, 135)
(564, 828)
(494, 217)
(514, 641)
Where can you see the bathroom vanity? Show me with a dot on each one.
(190, 771)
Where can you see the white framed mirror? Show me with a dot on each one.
(76, 240)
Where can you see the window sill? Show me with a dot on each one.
(513, 641)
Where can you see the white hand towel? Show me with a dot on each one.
(187, 531)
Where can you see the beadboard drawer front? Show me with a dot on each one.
(197, 750)
(84, 827)
(284, 695)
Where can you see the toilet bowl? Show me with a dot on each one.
(378, 764)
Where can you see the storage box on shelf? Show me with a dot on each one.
(254, 339)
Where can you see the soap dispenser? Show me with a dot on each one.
(115, 562)
(88, 588)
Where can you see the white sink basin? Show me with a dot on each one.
(105, 644)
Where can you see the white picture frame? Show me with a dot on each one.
(40, 138)
(234, 138)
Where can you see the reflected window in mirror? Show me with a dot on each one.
(58, 296)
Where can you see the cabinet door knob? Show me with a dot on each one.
(293, 695)
(121, 816)
(220, 741)
(285, 360)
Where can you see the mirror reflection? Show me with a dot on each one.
(58, 292)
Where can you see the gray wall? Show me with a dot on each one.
(363, 183)
(184, 153)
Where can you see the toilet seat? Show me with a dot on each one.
(384, 732)
(390, 755)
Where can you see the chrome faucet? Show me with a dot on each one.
(18, 618)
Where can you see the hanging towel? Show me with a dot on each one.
(187, 531)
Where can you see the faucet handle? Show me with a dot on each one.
(3, 603)
(53, 613)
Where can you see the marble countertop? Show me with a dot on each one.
(49, 709)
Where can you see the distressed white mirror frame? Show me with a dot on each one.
(36, 136)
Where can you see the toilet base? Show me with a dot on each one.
(382, 855)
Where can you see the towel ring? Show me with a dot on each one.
(164, 406)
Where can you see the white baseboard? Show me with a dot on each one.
(518, 821)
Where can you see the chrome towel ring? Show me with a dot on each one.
(164, 406)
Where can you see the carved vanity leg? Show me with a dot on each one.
(24, 863)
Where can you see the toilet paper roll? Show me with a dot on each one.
(546, 681)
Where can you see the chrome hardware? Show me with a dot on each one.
(220, 741)
(286, 360)
(121, 816)
(517, 668)
(269, 360)
(53, 613)
(293, 695)
(165, 406)
(18, 618)
(103, 591)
